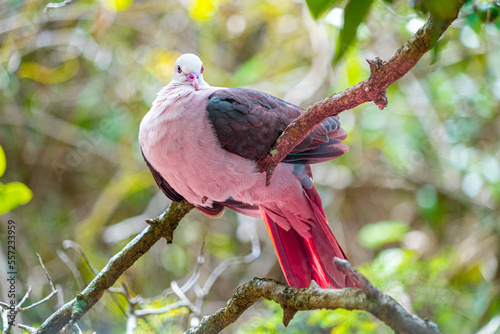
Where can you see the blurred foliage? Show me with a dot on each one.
(378, 234)
(75, 82)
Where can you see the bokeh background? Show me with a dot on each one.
(415, 202)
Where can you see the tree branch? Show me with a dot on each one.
(382, 75)
(162, 226)
(368, 298)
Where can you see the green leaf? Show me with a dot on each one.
(375, 235)
(3, 161)
(12, 195)
(444, 9)
(354, 13)
(318, 7)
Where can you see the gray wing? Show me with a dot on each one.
(248, 122)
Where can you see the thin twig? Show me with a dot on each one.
(182, 296)
(131, 316)
(52, 293)
(25, 297)
(30, 330)
(19, 307)
(46, 272)
(131, 323)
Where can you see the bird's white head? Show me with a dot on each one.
(188, 70)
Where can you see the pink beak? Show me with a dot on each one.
(193, 79)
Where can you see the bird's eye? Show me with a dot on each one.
(201, 69)
(179, 69)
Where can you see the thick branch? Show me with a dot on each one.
(383, 74)
(162, 226)
(369, 299)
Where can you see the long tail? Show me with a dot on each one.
(303, 259)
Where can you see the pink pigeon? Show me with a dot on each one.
(201, 144)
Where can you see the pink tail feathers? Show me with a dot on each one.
(304, 259)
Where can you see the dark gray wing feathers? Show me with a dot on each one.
(248, 122)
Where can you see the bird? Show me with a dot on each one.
(202, 144)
